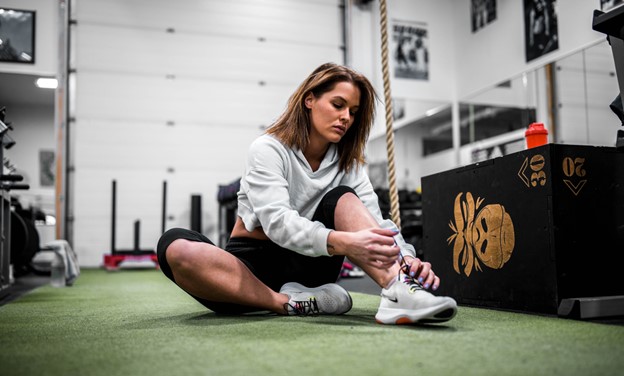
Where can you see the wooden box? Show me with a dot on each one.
(526, 230)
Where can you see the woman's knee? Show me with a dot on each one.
(351, 214)
(339, 192)
(349, 199)
(177, 246)
(327, 208)
(348, 203)
(181, 254)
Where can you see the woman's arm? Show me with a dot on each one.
(364, 189)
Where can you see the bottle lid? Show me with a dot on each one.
(535, 129)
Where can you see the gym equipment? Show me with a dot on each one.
(411, 216)
(117, 256)
(24, 240)
(610, 23)
(227, 196)
(8, 183)
(196, 211)
(539, 230)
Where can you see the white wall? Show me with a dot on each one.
(481, 60)
(177, 91)
(419, 95)
(496, 52)
(584, 70)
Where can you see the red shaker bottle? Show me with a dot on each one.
(536, 135)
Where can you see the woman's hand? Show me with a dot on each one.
(374, 247)
(421, 271)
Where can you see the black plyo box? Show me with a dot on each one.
(525, 230)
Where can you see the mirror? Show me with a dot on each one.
(493, 121)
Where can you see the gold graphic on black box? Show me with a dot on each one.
(573, 169)
(532, 171)
(483, 235)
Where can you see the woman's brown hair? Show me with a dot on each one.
(293, 126)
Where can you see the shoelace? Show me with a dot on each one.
(303, 307)
(413, 284)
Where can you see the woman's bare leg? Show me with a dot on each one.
(208, 272)
(351, 215)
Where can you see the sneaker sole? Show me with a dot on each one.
(432, 315)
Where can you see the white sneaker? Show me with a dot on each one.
(329, 299)
(407, 302)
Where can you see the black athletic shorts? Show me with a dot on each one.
(272, 264)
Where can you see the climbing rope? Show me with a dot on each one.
(393, 191)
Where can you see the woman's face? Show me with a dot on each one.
(333, 113)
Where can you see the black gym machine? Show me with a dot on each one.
(113, 260)
(19, 240)
(117, 256)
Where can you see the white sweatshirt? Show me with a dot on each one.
(280, 193)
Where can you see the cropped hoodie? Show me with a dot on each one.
(280, 193)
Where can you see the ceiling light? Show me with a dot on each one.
(431, 112)
(47, 83)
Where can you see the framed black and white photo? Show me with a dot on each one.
(410, 50)
(606, 5)
(540, 28)
(482, 12)
(46, 168)
(17, 36)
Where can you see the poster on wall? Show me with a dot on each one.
(482, 12)
(410, 50)
(540, 28)
(606, 5)
(46, 168)
(17, 36)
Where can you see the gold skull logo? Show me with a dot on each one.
(489, 237)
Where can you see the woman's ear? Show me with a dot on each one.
(309, 100)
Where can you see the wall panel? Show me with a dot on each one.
(198, 56)
(176, 91)
(142, 98)
(310, 22)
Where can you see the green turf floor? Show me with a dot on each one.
(135, 322)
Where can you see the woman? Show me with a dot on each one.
(305, 203)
